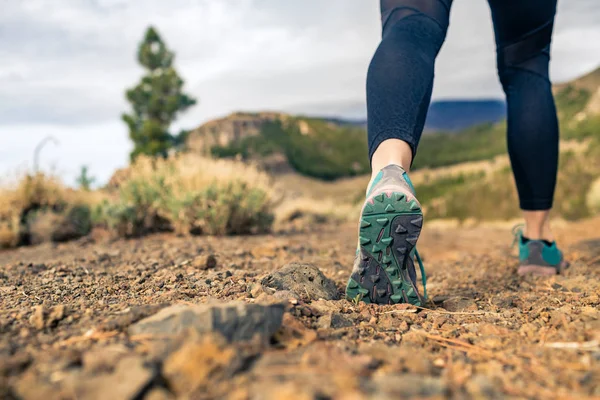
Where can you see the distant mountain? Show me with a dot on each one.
(456, 115)
(449, 115)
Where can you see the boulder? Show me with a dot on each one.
(234, 320)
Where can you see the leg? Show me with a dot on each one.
(399, 85)
(400, 78)
(523, 30)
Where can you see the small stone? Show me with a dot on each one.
(56, 314)
(256, 290)
(335, 321)
(37, 319)
(459, 304)
(158, 394)
(204, 262)
(440, 363)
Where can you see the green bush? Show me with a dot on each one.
(189, 195)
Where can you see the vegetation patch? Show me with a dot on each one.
(189, 195)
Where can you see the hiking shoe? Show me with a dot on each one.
(389, 227)
(538, 257)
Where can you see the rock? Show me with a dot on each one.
(37, 318)
(15, 364)
(56, 314)
(158, 394)
(402, 386)
(234, 320)
(43, 318)
(199, 362)
(256, 289)
(207, 261)
(335, 321)
(304, 280)
(482, 387)
(103, 358)
(286, 295)
(134, 314)
(294, 334)
(459, 304)
(128, 381)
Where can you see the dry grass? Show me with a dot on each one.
(593, 197)
(41, 201)
(189, 194)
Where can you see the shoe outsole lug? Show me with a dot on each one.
(412, 240)
(382, 221)
(401, 229)
(386, 220)
(417, 222)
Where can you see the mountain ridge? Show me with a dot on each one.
(334, 147)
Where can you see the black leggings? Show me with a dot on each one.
(400, 80)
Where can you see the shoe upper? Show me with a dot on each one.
(391, 175)
(538, 252)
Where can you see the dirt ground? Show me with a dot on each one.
(485, 333)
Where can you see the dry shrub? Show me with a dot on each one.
(593, 197)
(33, 195)
(51, 226)
(189, 194)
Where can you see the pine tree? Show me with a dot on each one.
(156, 100)
(84, 180)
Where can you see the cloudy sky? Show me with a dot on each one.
(65, 64)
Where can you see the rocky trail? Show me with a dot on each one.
(263, 317)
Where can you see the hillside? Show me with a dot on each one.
(330, 148)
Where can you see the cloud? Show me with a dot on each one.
(71, 60)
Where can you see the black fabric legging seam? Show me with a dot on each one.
(417, 12)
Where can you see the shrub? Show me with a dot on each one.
(593, 197)
(47, 225)
(189, 194)
(40, 202)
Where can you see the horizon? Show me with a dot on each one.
(71, 66)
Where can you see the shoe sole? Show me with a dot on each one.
(390, 226)
(540, 270)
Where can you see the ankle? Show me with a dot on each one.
(537, 225)
(539, 232)
(392, 151)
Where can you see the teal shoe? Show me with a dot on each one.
(538, 257)
(389, 227)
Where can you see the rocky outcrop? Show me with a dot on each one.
(230, 129)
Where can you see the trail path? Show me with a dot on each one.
(65, 311)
